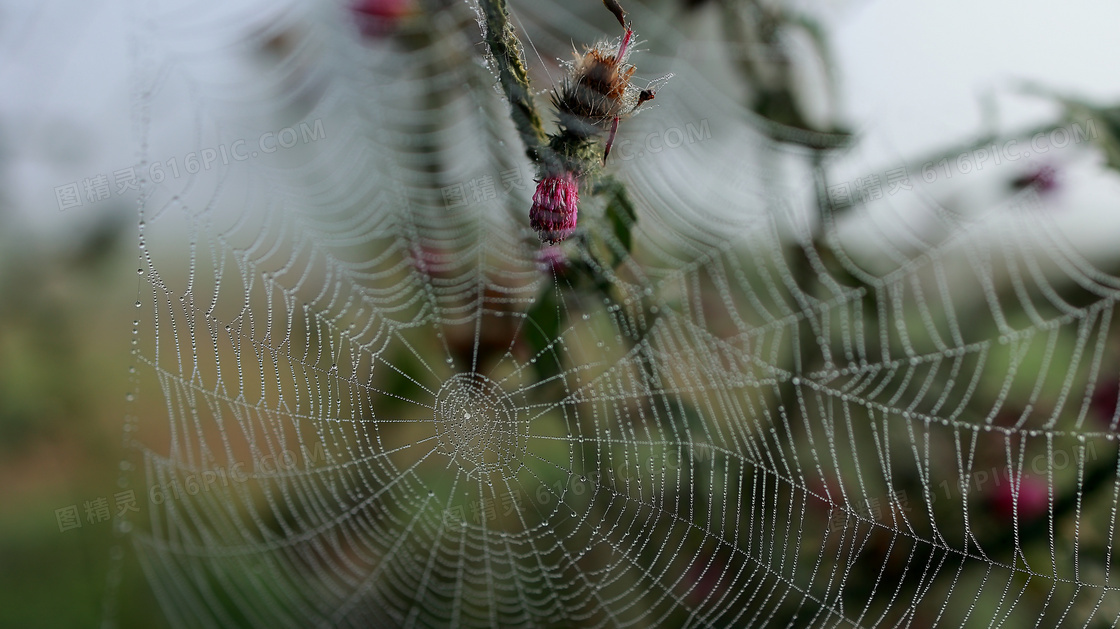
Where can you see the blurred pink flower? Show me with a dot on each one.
(1044, 179)
(551, 259)
(1033, 499)
(378, 18)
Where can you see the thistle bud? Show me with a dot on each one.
(555, 204)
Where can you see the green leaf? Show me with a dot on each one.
(621, 214)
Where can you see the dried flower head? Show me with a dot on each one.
(597, 92)
(555, 205)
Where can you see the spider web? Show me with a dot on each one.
(383, 407)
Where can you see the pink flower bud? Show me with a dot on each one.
(555, 204)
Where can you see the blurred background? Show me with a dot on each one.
(91, 100)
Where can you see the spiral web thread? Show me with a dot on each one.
(381, 411)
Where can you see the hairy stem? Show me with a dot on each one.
(507, 52)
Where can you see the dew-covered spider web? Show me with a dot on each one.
(374, 399)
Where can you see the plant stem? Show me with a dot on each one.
(506, 50)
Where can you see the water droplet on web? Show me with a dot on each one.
(137, 304)
(129, 397)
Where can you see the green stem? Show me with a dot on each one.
(507, 53)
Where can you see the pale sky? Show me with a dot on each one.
(912, 76)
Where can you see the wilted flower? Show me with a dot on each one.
(555, 205)
(597, 93)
